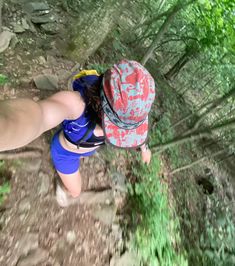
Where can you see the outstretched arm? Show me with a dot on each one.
(23, 120)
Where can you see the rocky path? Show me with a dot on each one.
(36, 231)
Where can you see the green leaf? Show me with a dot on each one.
(3, 79)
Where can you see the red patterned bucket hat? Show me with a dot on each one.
(127, 95)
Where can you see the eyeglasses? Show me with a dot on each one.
(112, 115)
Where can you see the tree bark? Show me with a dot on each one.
(174, 71)
(92, 27)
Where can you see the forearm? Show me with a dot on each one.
(20, 123)
(23, 120)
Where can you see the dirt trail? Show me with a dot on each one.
(36, 231)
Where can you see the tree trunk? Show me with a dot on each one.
(92, 27)
(174, 71)
(166, 24)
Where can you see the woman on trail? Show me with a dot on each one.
(112, 107)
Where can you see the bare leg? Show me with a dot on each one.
(72, 183)
(72, 188)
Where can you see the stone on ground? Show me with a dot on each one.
(46, 82)
(50, 28)
(99, 197)
(27, 243)
(105, 214)
(127, 259)
(44, 184)
(33, 7)
(24, 205)
(71, 237)
(5, 39)
(34, 258)
(119, 181)
(18, 28)
(47, 18)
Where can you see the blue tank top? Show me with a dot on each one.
(75, 130)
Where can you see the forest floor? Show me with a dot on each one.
(34, 230)
(33, 227)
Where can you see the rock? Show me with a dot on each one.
(127, 259)
(50, 28)
(51, 60)
(25, 24)
(71, 237)
(37, 7)
(60, 249)
(44, 186)
(24, 205)
(64, 75)
(14, 41)
(31, 164)
(25, 80)
(42, 60)
(106, 214)
(5, 39)
(119, 181)
(36, 98)
(46, 82)
(27, 243)
(17, 28)
(34, 258)
(47, 18)
(92, 197)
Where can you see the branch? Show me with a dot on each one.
(205, 133)
(213, 107)
(197, 162)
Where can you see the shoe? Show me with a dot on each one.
(63, 198)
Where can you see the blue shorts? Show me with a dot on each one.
(66, 162)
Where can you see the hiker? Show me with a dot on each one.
(112, 107)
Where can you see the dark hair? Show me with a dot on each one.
(92, 100)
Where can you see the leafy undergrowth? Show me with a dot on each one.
(156, 235)
(3, 79)
(4, 183)
(207, 228)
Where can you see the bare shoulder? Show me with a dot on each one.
(67, 96)
(70, 100)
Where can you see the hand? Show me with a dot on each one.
(146, 155)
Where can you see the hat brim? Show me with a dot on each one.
(124, 138)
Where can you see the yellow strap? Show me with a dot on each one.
(85, 73)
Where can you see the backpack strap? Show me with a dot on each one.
(88, 131)
(90, 128)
